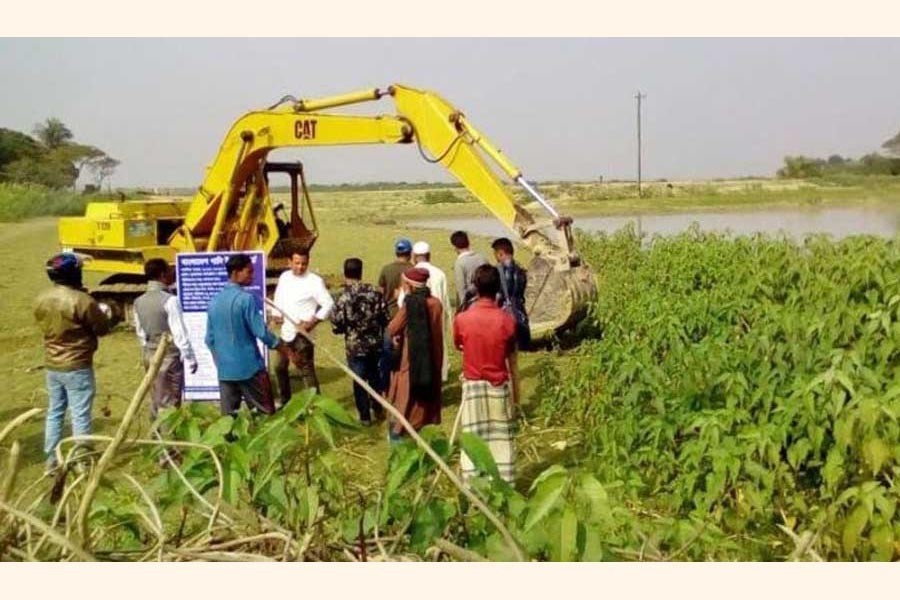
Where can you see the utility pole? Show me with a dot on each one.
(639, 96)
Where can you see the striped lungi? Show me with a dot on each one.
(488, 413)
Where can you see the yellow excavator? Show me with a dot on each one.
(233, 210)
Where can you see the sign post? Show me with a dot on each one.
(200, 277)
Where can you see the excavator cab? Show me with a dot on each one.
(296, 224)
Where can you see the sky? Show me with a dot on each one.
(561, 109)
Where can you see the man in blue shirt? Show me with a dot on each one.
(234, 323)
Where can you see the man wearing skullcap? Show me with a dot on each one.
(418, 342)
(437, 283)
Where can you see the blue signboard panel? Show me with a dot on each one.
(200, 277)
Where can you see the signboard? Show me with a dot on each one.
(200, 277)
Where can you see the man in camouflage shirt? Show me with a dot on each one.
(361, 314)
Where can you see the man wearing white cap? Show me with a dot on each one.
(437, 283)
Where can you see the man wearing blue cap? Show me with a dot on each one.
(71, 321)
(389, 284)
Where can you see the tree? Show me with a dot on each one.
(893, 145)
(43, 170)
(81, 156)
(801, 167)
(55, 161)
(103, 168)
(14, 146)
(876, 164)
(53, 133)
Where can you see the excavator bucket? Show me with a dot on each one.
(556, 299)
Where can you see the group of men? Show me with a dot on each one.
(396, 337)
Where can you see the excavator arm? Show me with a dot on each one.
(233, 198)
(232, 211)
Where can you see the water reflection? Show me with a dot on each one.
(796, 222)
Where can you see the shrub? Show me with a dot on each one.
(19, 202)
(747, 382)
(441, 197)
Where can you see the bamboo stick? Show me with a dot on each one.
(81, 518)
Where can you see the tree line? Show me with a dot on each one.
(804, 167)
(52, 158)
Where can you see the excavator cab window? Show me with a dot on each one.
(165, 228)
(297, 227)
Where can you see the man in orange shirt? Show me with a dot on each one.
(486, 335)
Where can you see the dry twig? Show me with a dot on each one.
(54, 536)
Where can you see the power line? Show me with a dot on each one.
(639, 96)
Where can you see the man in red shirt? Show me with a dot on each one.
(486, 335)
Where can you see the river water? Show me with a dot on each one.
(881, 220)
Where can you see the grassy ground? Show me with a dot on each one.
(363, 224)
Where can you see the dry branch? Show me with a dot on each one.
(67, 493)
(54, 536)
(12, 469)
(457, 552)
(216, 512)
(81, 519)
(18, 421)
(222, 556)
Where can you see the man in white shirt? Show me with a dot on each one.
(437, 283)
(303, 297)
(156, 312)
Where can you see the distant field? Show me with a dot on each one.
(387, 206)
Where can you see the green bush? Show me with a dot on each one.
(19, 202)
(870, 165)
(747, 383)
(441, 197)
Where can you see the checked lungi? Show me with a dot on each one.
(488, 413)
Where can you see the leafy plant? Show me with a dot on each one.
(743, 382)
(280, 465)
